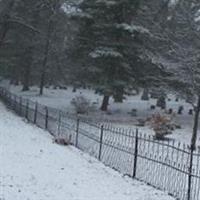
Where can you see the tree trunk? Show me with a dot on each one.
(26, 81)
(74, 89)
(27, 62)
(46, 53)
(5, 16)
(118, 96)
(145, 95)
(3, 34)
(104, 106)
(42, 80)
(196, 123)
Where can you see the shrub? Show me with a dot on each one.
(82, 105)
(161, 125)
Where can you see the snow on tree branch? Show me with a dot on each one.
(105, 52)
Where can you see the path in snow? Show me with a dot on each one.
(33, 168)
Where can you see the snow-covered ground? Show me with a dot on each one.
(118, 112)
(34, 168)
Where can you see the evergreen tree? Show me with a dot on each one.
(109, 45)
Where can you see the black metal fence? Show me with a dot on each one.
(166, 165)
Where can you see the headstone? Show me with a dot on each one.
(170, 111)
(153, 107)
(180, 110)
(190, 112)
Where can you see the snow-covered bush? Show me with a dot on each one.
(161, 125)
(82, 105)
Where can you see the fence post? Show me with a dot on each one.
(77, 131)
(190, 174)
(15, 103)
(20, 105)
(59, 122)
(35, 114)
(135, 154)
(9, 100)
(46, 117)
(101, 142)
(27, 108)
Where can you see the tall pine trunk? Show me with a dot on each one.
(105, 103)
(145, 94)
(27, 68)
(119, 95)
(195, 126)
(46, 53)
(42, 81)
(3, 34)
(26, 81)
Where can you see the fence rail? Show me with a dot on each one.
(166, 165)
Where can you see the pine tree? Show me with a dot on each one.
(108, 45)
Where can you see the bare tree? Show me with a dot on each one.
(8, 20)
(178, 50)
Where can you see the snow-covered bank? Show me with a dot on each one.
(34, 168)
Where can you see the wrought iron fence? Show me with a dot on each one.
(166, 165)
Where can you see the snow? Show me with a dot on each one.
(133, 28)
(197, 19)
(173, 3)
(34, 168)
(107, 2)
(197, 16)
(105, 52)
(71, 8)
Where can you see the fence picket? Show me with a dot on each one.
(77, 131)
(190, 175)
(27, 108)
(35, 113)
(46, 117)
(135, 154)
(101, 142)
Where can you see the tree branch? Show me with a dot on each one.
(21, 23)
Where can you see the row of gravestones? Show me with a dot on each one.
(156, 95)
(179, 112)
(133, 112)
